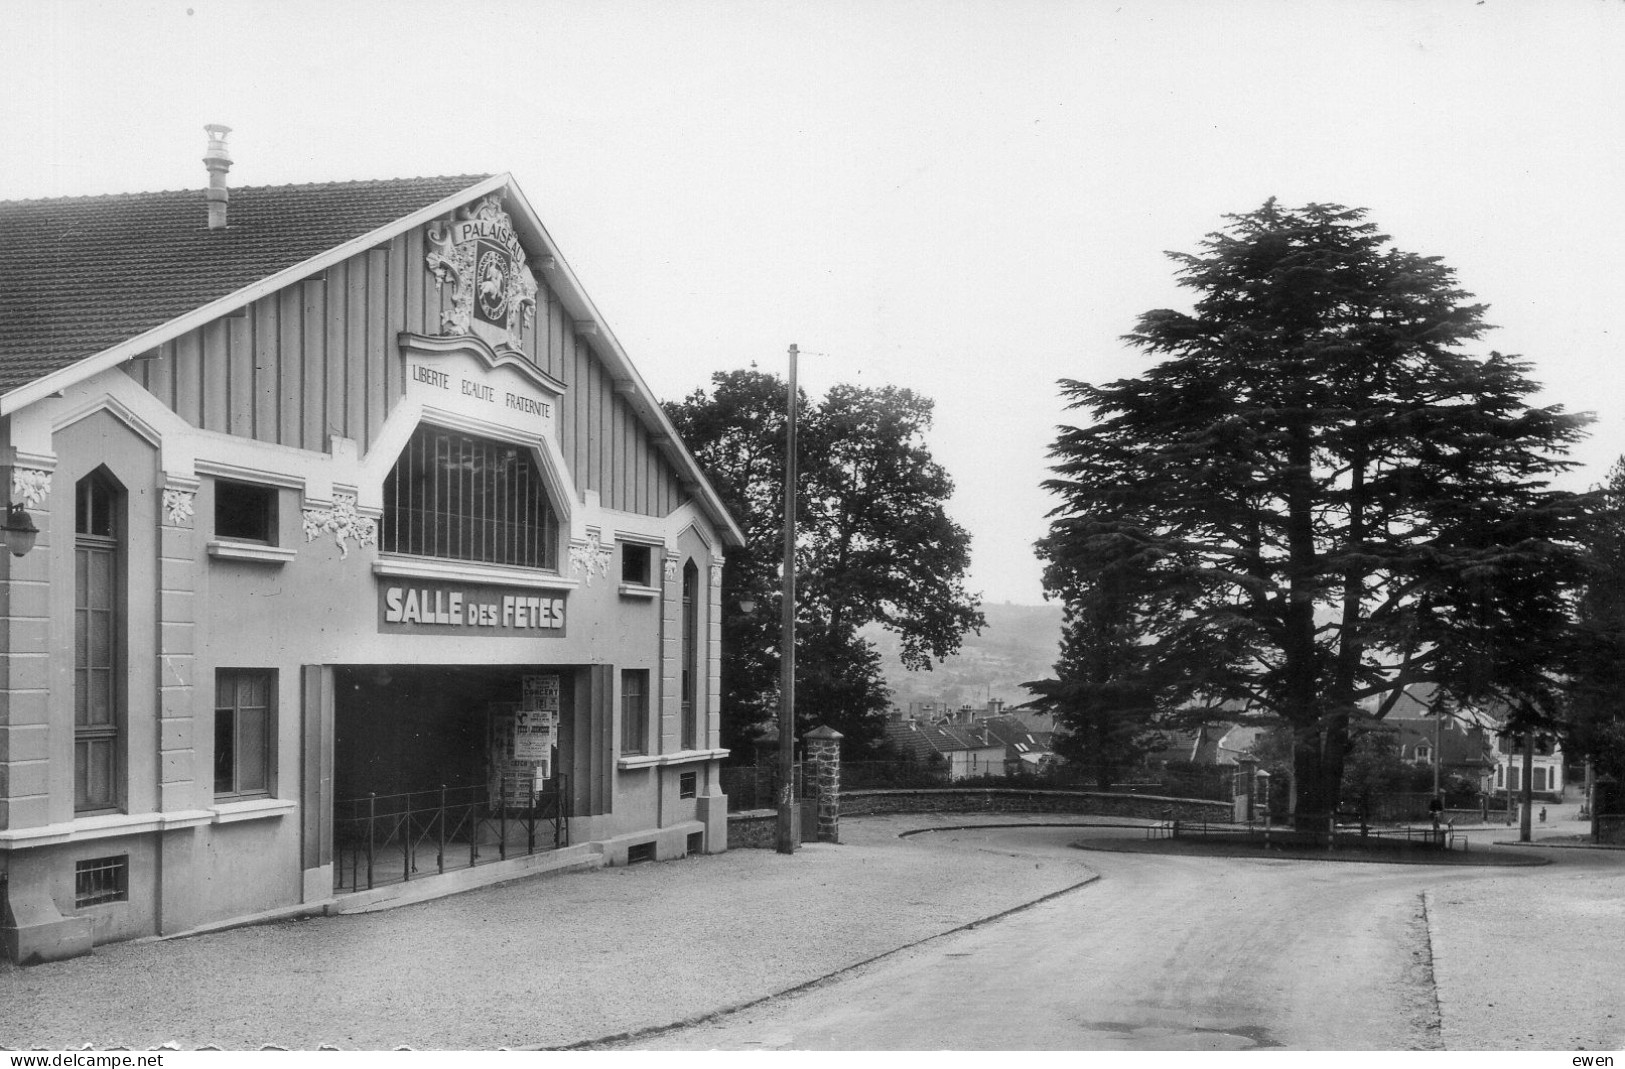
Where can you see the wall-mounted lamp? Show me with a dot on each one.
(747, 605)
(19, 529)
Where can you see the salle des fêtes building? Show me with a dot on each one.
(353, 550)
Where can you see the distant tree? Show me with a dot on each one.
(874, 545)
(1331, 501)
(1596, 715)
(1374, 769)
(1104, 704)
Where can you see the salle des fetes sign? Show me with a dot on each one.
(427, 607)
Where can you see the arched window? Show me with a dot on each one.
(456, 496)
(97, 630)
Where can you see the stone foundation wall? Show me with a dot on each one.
(754, 829)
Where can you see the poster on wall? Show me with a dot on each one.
(540, 694)
(533, 736)
(521, 753)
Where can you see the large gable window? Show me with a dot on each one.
(465, 498)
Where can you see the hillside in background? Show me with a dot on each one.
(1018, 644)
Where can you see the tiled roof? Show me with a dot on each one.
(79, 275)
(922, 738)
(1013, 731)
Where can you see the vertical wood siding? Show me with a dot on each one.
(320, 358)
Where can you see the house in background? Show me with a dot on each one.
(1545, 774)
(1463, 743)
(967, 750)
(1024, 749)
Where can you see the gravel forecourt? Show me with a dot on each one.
(538, 962)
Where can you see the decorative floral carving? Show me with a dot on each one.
(178, 505)
(671, 569)
(716, 576)
(590, 556)
(344, 521)
(29, 486)
(493, 292)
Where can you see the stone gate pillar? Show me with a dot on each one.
(823, 750)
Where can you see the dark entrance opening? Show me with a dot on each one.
(445, 766)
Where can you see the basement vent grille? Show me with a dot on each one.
(101, 879)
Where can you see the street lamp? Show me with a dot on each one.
(20, 532)
(788, 838)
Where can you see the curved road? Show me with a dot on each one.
(1162, 952)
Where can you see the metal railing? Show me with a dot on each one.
(389, 838)
(1330, 837)
(757, 786)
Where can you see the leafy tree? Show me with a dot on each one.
(874, 545)
(1329, 499)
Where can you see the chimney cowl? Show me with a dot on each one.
(218, 163)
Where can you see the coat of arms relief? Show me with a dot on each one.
(493, 292)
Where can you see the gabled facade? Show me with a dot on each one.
(345, 506)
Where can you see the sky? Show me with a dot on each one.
(969, 198)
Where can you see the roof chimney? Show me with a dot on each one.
(218, 164)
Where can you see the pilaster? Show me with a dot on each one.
(25, 634)
(669, 730)
(177, 646)
(712, 726)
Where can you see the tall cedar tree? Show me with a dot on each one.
(1596, 714)
(874, 545)
(1329, 500)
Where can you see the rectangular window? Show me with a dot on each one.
(688, 784)
(244, 512)
(243, 734)
(640, 852)
(1538, 779)
(102, 879)
(635, 564)
(635, 710)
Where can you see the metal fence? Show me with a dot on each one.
(1410, 807)
(1330, 837)
(389, 838)
(757, 786)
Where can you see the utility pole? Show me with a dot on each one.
(1528, 790)
(789, 838)
(1438, 749)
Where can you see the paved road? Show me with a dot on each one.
(1160, 953)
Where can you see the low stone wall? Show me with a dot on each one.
(1009, 800)
(753, 829)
